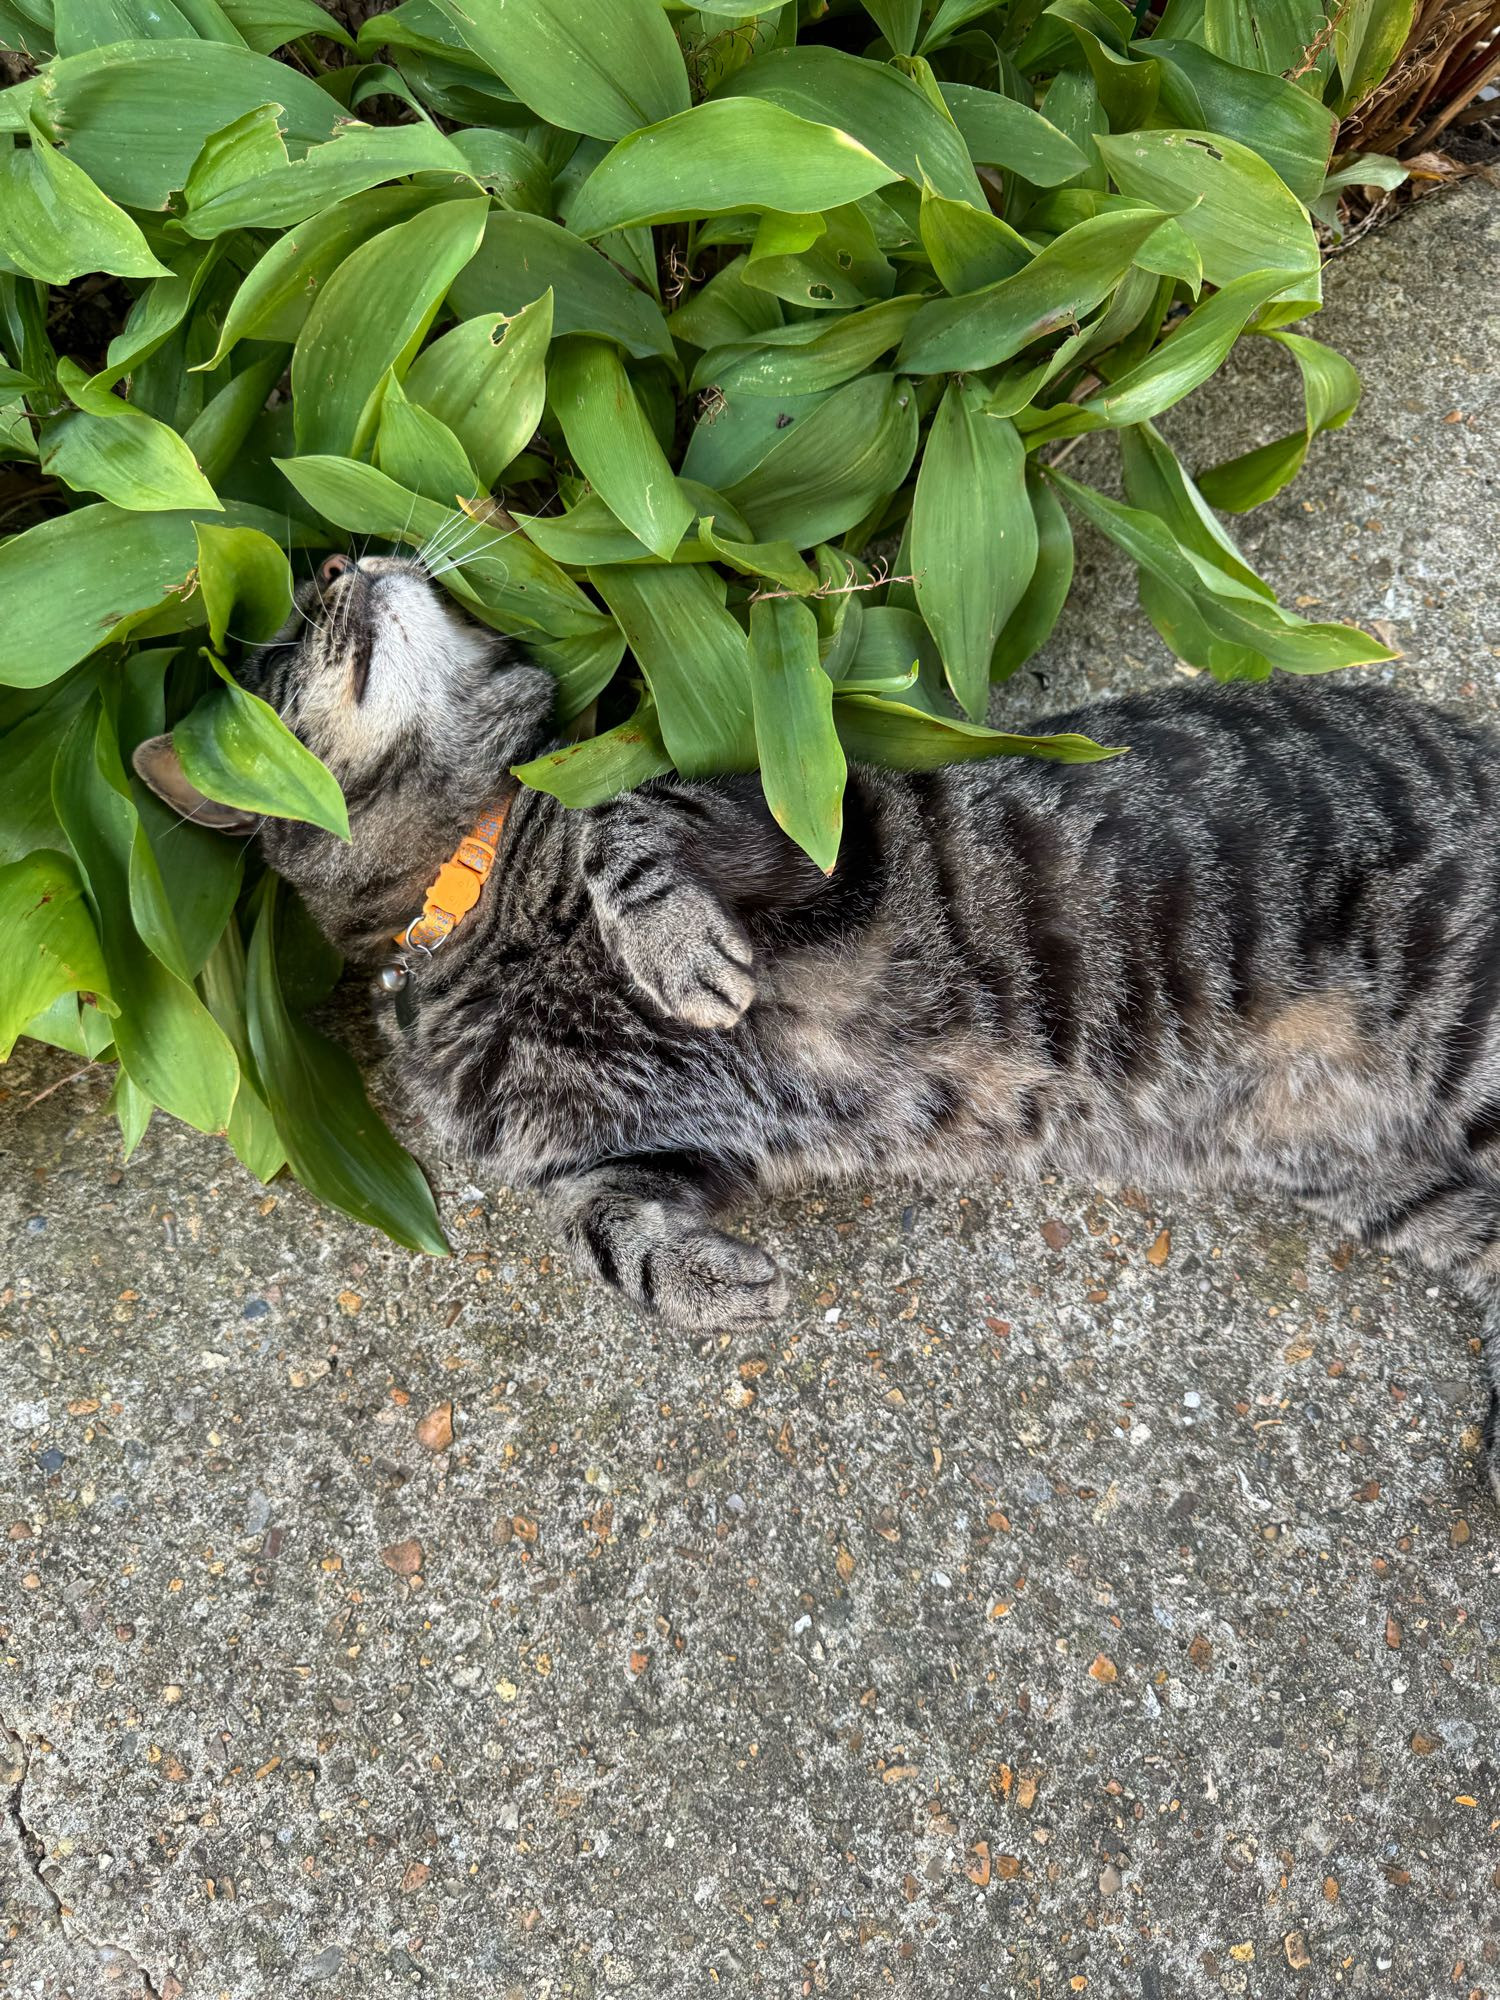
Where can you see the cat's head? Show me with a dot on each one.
(382, 676)
(418, 711)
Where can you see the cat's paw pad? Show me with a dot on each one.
(707, 1279)
(708, 977)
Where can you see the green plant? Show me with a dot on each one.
(765, 323)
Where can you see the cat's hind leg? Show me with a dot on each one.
(645, 1228)
(1452, 1221)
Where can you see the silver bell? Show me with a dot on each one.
(392, 978)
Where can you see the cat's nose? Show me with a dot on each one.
(333, 568)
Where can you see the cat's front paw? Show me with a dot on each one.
(703, 1278)
(698, 967)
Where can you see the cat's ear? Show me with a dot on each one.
(157, 764)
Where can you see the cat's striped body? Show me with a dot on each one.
(1262, 950)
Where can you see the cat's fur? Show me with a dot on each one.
(1261, 951)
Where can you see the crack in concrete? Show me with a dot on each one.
(34, 1849)
(30, 1843)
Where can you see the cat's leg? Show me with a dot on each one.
(677, 940)
(1453, 1222)
(644, 1227)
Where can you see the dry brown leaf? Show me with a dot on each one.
(1160, 1250)
(843, 1562)
(1104, 1669)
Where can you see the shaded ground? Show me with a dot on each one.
(1081, 1594)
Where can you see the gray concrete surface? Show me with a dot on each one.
(1082, 1593)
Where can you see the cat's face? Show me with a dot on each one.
(373, 656)
(381, 674)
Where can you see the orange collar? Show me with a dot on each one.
(456, 888)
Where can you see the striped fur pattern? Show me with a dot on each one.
(1261, 951)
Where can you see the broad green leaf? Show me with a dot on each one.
(1268, 35)
(217, 433)
(897, 20)
(523, 256)
(50, 944)
(159, 310)
(369, 317)
(951, 16)
(133, 1109)
(486, 380)
(724, 157)
(973, 537)
(886, 112)
(183, 879)
(822, 262)
(601, 69)
(126, 457)
(278, 293)
(695, 659)
(246, 584)
(999, 132)
(507, 167)
(614, 445)
(34, 723)
(418, 450)
(275, 192)
(1054, 290)
(588, 535)
(1030, 625)
(67, 583)
(777, 562)
(336, 1142)
(55, 225)
(91, 24)
(810, 355)
(1190, 354)
(1156, 482)
(901, 738)
(235, 748)
(1330, 394)
(892, 646)
(1288, 127)
(802, 767)
(1368, 35)
(586, 774)
(271, 24)
(169, 1044)
(733, 435)
(1241, 214)
(828, 471)
(1229, 612)
(134, 115)
(726, 311)
(1127, 85)
(252, 1133)
(968, 247)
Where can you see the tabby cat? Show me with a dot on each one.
(1262, 950)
